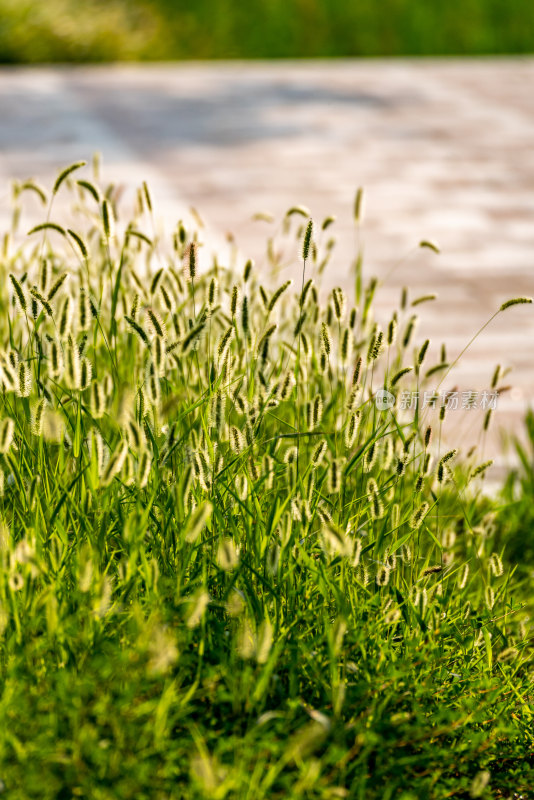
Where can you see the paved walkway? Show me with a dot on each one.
(444, 150)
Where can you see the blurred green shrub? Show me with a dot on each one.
(64, 30)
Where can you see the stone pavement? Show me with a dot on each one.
(443, 149)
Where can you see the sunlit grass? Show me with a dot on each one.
(225, 572)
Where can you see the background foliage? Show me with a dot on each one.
(65, 30)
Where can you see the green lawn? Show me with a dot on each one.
(224, 571)
(65, 30)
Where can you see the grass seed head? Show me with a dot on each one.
(45, 304)
(227, 554)
(53, 426)
(351, 429)
(375, 501)
(65, 317)
(19, 294)
(158, 356)
(287, 385)
(357, 372)
(217, 411)
(247, 272)
(134, 436)
(143, 469)
(489, 597)
(86, 370)
(97, 400)
(317, 410)
(235, 297)
(213, 294)
(417, 518)
(377, 345)
(191, 340)
(326, 339)
(515, 302)
(84, 310)
(400, 374)
(7, 433)
(400, 469)
(464, 575)
(306, 241)
(480, 469)
(335, 541)
(410, 439)
(496, 565)
(335, 475)
(305, 292)
(56, 286)
(156, 280)
(191, 262)
(44, 275)
(138, 330)
(9, 378)
(278, 294)
(409, 330)
(388, 452)
(24, 386)
(128, 472)
(115, 463)
(156, 324)
(237, 442)
(290, 455)
(108, 220)
(382, 575)
(340, 303)
(72, 364)
(37, 417)
(392, 330)
(422, 352)
(346, 346)
(370, 457)
(168, 301)
(198, 606)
